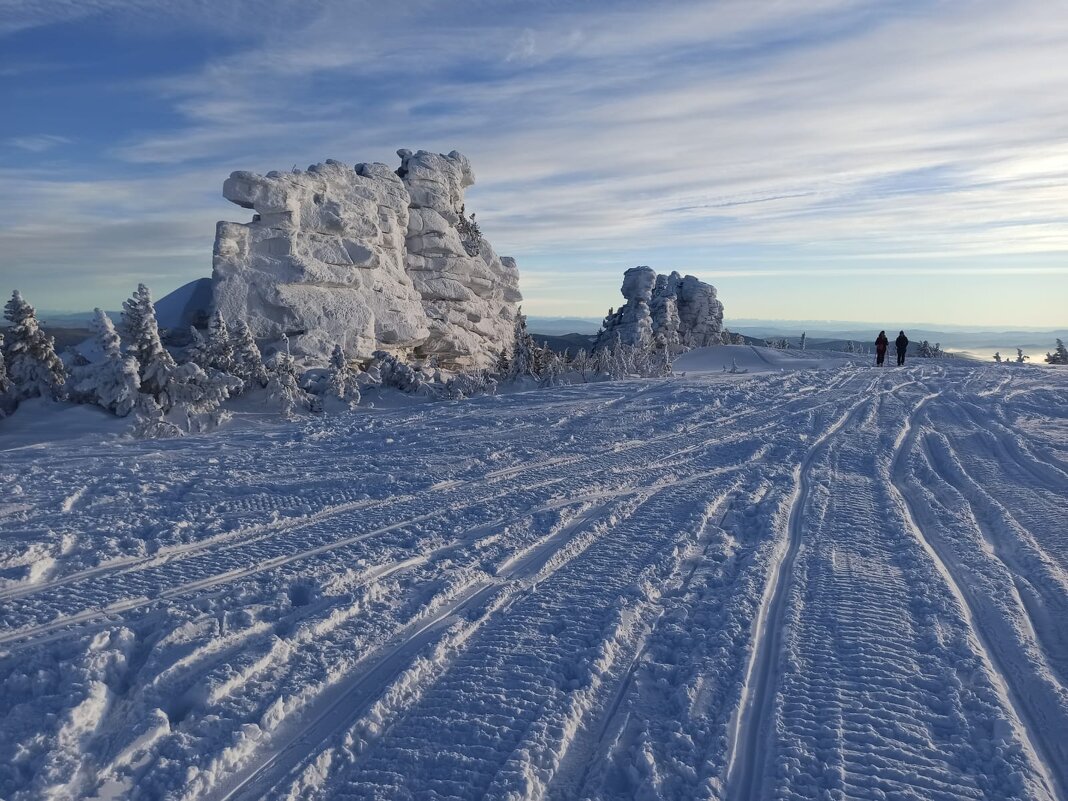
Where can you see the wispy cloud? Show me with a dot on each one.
(836, 130)
(37, 143)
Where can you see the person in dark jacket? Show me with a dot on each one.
(881, 344)
(902, 343)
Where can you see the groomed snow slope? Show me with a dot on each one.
(814, 583)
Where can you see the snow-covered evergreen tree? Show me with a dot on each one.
(1059, 355)
(5, 382)
(282, 386)
(32, 364)
(1020, 358)
(342, 390)
(524, 351)
(248, 361)
(113, 382)
(196, 395)
(197, 351)
(553, 369)
(504, 363)
(804, 339)
(220, 350)
(850, 347)
(157, 364)
(581, 364)
(997, 357)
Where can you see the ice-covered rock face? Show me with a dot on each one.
(666, 309)
(470, 294)
(367, 258)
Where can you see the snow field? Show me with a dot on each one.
(813, 583)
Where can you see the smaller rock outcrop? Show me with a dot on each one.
(665, 310)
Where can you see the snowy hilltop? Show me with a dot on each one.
(668, 310)
(812, 581)
(371, 258)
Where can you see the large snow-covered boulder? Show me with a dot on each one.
(368, 258)
(671, 310)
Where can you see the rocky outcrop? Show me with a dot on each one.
(368, 258)
(666, 310)
(470, 294)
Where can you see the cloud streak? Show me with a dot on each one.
(849, 131)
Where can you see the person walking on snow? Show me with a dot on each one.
(881, 344)
(902, 343)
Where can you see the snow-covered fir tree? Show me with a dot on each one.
(248, 361)
(1020, 358)
(850, 347)
(342, 390)
(220, 349)
(553, 369)
(524, 351)
(1059, 355)
(196, 395)
(32, 364)
(925, 350)
(804, 340)
(581, 364)
(997, 357)
(282, 387)
(197, 351)
(5, 382)
(144, 344)
(114, 382)
(504, 363)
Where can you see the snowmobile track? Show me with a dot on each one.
(1046, 749)
(744, 764)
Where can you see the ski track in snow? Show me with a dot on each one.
(838, 583)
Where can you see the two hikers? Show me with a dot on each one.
(882, 343)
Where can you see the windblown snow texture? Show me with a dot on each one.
(368, 258)
(791, 584)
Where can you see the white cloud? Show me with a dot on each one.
(37, 143)
(838, 129)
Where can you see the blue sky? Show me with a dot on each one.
(826, 159)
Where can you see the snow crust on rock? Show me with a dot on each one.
(673, 309)
(368, 258)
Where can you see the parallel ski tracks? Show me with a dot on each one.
(337, 708)
(752, 718)
(1047, 755)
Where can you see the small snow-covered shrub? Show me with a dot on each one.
(387, 370)
(470, 385)
(150, 422)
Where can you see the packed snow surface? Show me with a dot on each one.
(820, 580)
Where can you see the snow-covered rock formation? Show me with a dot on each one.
(675, 311)
(368, 258)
